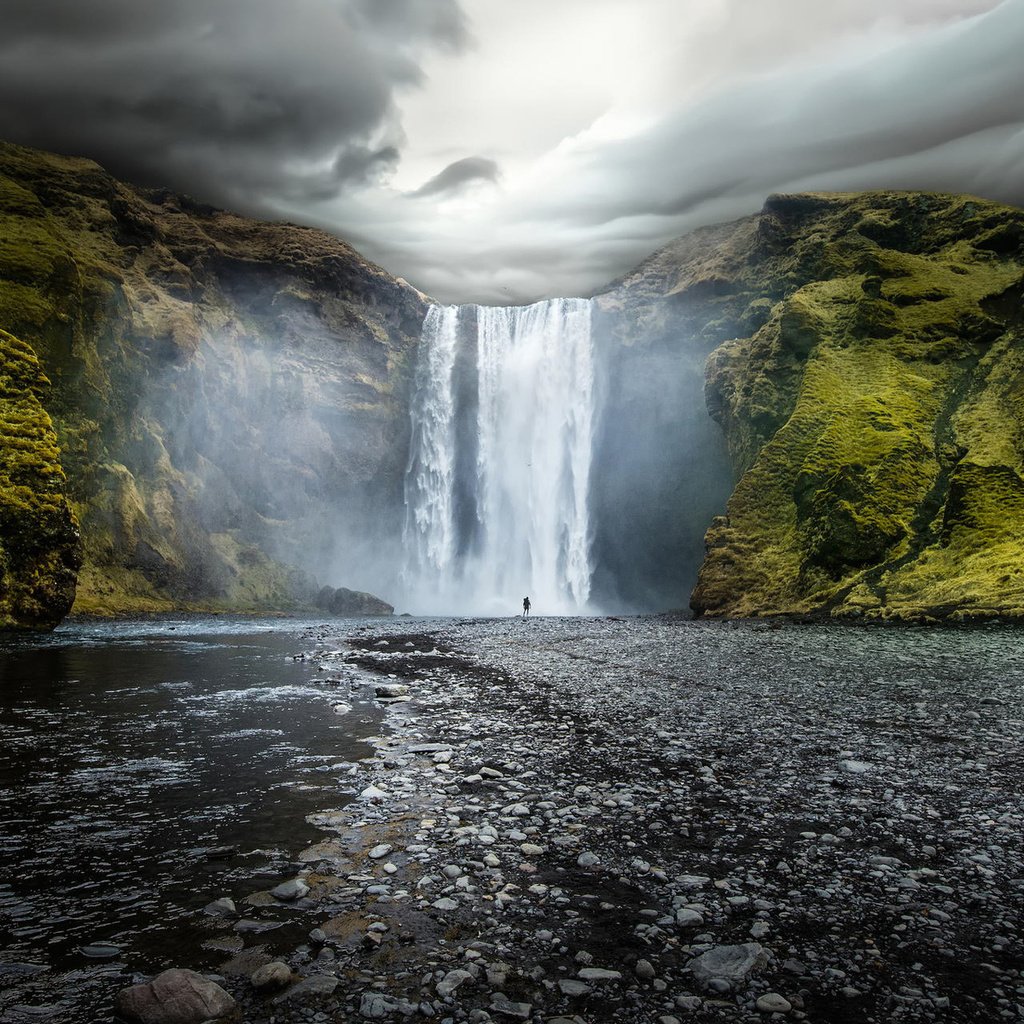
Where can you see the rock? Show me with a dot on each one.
(572, 987)
(598, 974)
(316, 986)
(271, 976)
(588, 859)
(772, 1002)
(389, 691)
(375, 1005)
(223, 907)
(451, 981)
(645, 969)
(731, 964)
(293, 889)
(176, 996)
(373, 795)
(351, 603)
(380, 851)
(100, 951)
(689, 918)
(518, 1011)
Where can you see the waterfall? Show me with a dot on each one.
(499, 468)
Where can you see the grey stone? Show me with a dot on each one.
(451, 981)
(598, 974)
(317, 985)
(732, 964)
(375, 1005)
(772, 1002)
(271, 976)
(293, 889)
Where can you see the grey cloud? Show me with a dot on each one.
(457, 175)
(242, 101)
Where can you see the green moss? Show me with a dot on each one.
(39, 544)
(878, 417)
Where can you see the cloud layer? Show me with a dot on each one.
(544, 148)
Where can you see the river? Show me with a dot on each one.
(148, 768)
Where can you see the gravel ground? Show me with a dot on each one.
(650, 820)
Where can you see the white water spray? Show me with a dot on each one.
(529, 528)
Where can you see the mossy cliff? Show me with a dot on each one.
(871, 392)
(229, 397)
(39, 542)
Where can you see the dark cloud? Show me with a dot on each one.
(241, 101)
(458, 175)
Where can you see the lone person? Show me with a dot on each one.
(526, 607)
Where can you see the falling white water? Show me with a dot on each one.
(529, 482)
(429, 534)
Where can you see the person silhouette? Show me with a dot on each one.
(526, 607)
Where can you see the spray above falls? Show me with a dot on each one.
(497, 486)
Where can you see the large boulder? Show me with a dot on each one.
(351, 603)
(177, 996)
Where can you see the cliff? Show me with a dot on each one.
(229, 397)
(871, 396)
(39, 541)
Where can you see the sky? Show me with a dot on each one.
(499, 152)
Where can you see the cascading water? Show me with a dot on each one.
(484, 528)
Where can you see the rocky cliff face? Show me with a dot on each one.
(230, 397)
(230, 405)
(39, 542)
(873, 403)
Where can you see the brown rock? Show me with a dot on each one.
(175, 997)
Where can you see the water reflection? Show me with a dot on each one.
(129, 752)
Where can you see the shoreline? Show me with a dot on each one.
(646, 821)
(532, 856)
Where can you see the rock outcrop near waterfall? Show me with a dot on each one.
(872, 397)
(39, 542)
(230, 397)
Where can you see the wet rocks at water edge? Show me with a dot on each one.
(694, 829)
(175, 997)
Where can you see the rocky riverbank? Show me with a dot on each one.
(598, 820)
(647, 820)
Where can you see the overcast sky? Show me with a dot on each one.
(498, 151)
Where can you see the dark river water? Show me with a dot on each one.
(149, 768)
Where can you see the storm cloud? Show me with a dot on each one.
(615, 126)
(456, 176)
(239, 101)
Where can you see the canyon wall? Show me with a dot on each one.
(230, 398)
(208, 412)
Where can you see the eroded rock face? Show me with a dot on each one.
(868, 378)
(230, 397)
(40, 549)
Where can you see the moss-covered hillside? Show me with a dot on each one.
(872, 396)
(229, 396)
(39, 543)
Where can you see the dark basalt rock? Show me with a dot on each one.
(351, 603)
